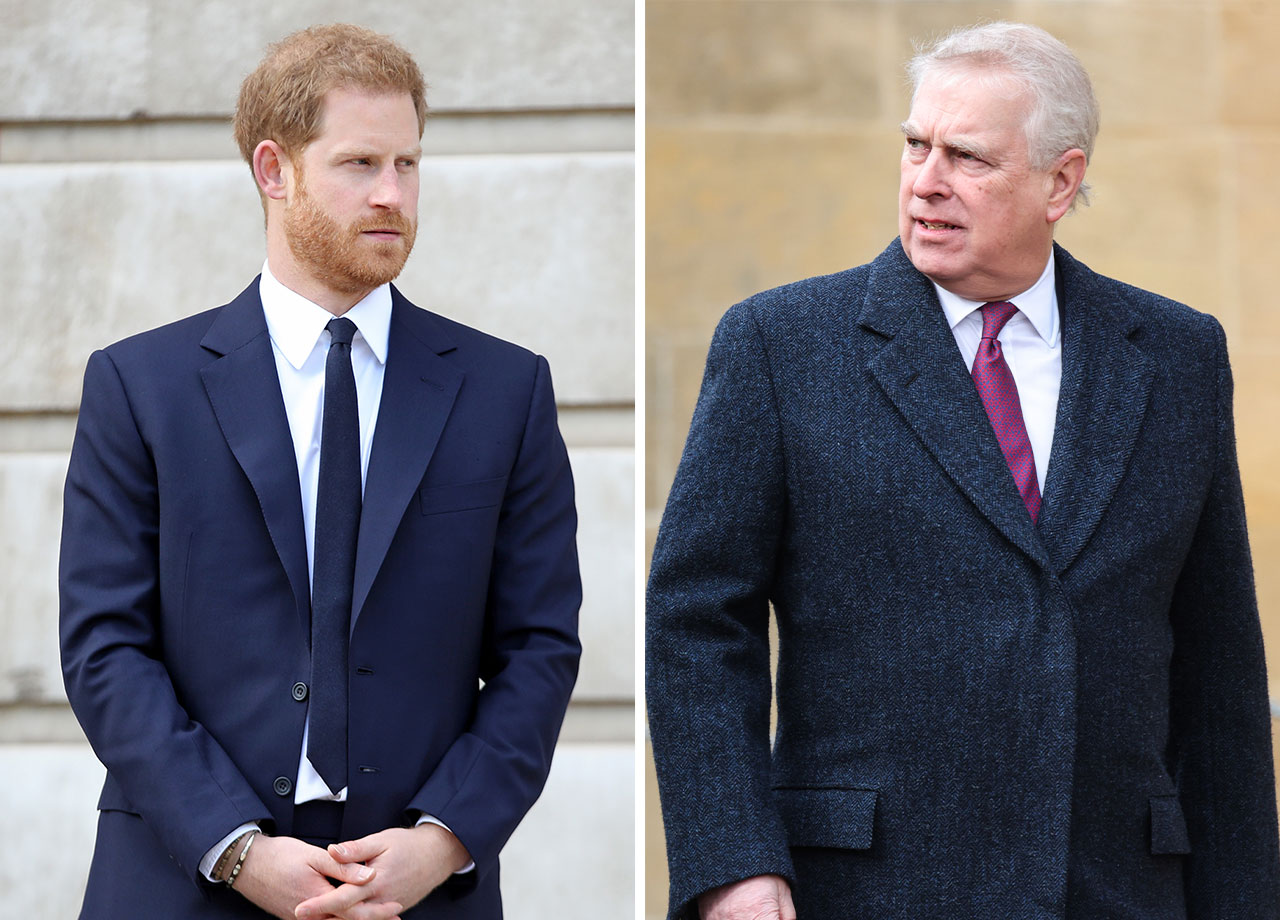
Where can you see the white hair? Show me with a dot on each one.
(1064, 111)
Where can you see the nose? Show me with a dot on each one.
(387, 192)
(932, 176)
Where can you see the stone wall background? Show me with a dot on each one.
(772, 155)
(117, 167)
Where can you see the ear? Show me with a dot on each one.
(1067, 174)
(271, 166)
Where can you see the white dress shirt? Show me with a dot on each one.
(301, 346)
(300, 343)
(1031, 342)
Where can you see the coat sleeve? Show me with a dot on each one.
(1220, 727)
(169, 767)
(707, 627)
(493, 773)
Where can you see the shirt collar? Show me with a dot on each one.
(295, 323)
(1038, 303)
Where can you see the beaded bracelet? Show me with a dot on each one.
(226, 858)
(235, 871)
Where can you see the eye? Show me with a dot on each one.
(916, 149)
(970, 161)
(360, 161)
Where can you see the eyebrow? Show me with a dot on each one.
(358, 152)
(959, 144)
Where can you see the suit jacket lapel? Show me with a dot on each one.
(418, 392)
(923, 374)
(1106, 384)
(244, 391)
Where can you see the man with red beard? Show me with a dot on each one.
(319, 579)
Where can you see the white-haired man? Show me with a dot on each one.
(993, 500)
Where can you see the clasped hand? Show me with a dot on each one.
(373, 878)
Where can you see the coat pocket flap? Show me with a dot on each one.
(462, 496)
(830, 817)
(1168, 827)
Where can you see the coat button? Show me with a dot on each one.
(283, 785)
(299, 691)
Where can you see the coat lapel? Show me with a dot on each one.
(921, 371)
(418, 392)
(244, 391)
(1106, 384)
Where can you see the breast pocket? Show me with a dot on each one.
(827, 817)
(462, 496)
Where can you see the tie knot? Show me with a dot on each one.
(342, 331)
(994, 316)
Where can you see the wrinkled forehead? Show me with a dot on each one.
(978, 102)
(974, 81)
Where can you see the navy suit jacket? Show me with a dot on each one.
(977, 717)
(185, 604)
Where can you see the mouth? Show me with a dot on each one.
(935, 225)
(383, 235)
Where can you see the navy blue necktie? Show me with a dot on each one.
(338, 500)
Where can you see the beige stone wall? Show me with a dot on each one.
(772, 151)
(123, 204)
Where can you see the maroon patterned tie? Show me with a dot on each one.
(1000, 398)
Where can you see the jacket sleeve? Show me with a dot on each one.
(493, 773)
(169, 768)
(707, 627)
(1220, 727)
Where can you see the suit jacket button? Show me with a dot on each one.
(283, 785)
(299, 691)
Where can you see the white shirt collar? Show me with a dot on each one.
(1038, 303)
(295, 323)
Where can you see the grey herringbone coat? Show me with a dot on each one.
(978, 717)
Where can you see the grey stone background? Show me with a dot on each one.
(123, 204)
